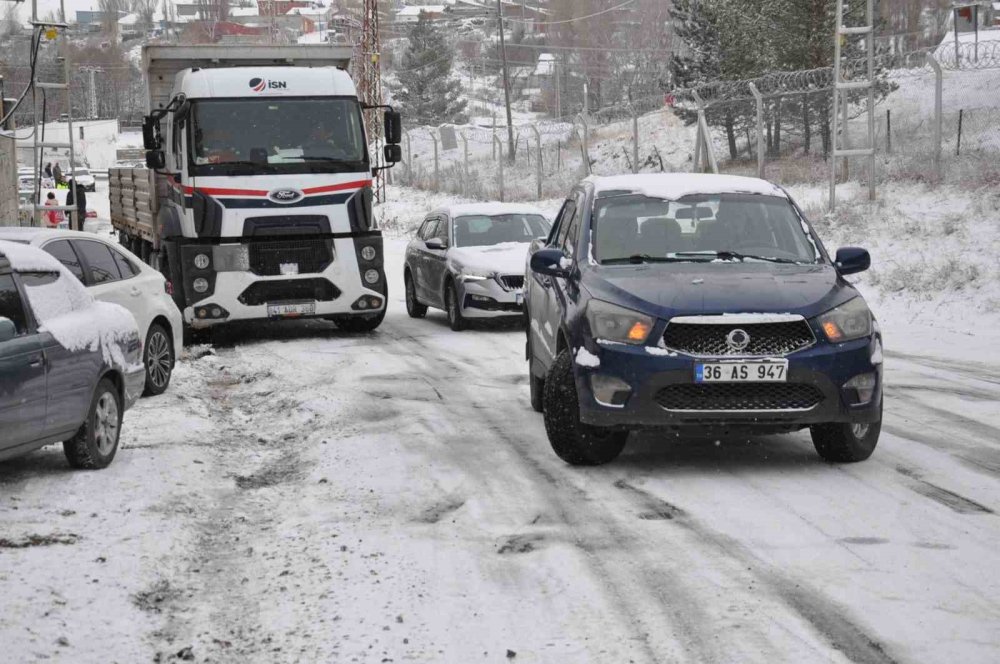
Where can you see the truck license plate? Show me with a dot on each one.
(291, 309)
(772, 371)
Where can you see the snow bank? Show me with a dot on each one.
(66, 310)
(672, 186)
(504, 258)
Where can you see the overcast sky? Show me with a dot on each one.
(44, 6)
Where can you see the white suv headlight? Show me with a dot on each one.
(466, 275)
(613, 323)
(851, 320)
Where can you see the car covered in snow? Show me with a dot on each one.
(698, 304)
(69, 366)
(469, 260)
(114, 274)
(83, 177)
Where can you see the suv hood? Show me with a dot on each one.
(680, 289)
(504, 258)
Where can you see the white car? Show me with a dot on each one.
(114, 274)
(83, 176)
(26, 179)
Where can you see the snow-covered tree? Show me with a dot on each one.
(428, 93)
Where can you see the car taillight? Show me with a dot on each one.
(169, 287)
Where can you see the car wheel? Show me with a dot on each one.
(573, 441)
(360, 323)
(159, 360)
(456, 321)
(95, 444)
(843, 442)
(413, 307)
(536, 385)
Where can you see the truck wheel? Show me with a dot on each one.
(360, 324)
(95, 444)
(843, 442)
(456, 320)
(573, 441)
(413, 306)
(158, 357)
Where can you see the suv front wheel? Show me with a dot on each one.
(573, 441)
(844, 442)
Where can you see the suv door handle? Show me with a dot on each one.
(37, 361)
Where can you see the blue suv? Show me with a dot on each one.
(700, 305)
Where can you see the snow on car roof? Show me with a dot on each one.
(488, 209)
(672, 186)
(23, 258)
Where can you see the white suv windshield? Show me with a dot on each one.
(484, 231)
(700, 227)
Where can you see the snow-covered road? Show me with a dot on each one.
(301, 495)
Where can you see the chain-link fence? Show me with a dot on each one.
(937, 119)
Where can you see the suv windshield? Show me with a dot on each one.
(483, 231)
(283, 135)
(700, 227)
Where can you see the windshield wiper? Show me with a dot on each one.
(735, 255)
(646, 258)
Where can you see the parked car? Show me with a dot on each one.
(699, 304)
(69, 366)
(26, 179)
(114, 274)
(84, 177)
(469, 261)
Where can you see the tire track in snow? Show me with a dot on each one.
(953, 501)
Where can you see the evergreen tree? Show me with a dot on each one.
(428, 93)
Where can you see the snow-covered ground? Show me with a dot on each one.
(304, 495)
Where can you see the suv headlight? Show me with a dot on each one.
(613, 323)
(851, 320)
(466, 275)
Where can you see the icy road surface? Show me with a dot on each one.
(301, 495)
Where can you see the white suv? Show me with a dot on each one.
(114, 274)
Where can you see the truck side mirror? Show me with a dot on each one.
(7, 329)
(393, 127)
(150, 133)
(393, 154)
(155, 160)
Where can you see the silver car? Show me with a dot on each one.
(469, 260)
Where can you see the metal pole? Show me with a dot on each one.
(958, 61)
(409, 158)
(506, 81)
(760, 128)
(938, 111)
(583, 142)
(870, 43)
(635, 139)
(706, 136)
(465, 154)
(888, 131)
(437, 182)
(494, 136)
(958, 144)
(538, 162)
(499, 143)
(834, 106)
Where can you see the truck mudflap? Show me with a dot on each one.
(338, 274)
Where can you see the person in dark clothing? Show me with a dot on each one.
(48, 170)
(57, 174)
(79, 194)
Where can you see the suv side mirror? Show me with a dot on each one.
(851, 260)
(550, 262)
(393, 154)
(393, 124)
(155, 160)
(7, 329)
(436, 243)
(150, 133)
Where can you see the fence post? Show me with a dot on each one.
(704, 135)
(538, 161)
(409, 158)
(888, 131)
(494, 136)
(465, 163)
(583, 141)
(437, 182)
(498, 142)
(635, 139)
(938, 113)
(759, 99)
(958, 143)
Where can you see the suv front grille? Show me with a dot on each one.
(311, 256)
(739, 396)
(766, 339)
(512, 282)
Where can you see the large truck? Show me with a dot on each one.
(257, 197)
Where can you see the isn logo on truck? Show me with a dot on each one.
(261, 84)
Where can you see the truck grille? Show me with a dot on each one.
(739, 396)
(512, 282)
(766, 339)
(284, 290)
(311, 256)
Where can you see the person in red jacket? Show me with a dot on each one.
(53, 217)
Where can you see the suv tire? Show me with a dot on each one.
(158, 356)
(842, 442)
(456, 321)
(573, 441)
(95, 444)
(413, 306)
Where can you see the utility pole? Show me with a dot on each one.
(92, 90)
(506, 82)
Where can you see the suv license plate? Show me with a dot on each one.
(291, 309)
(774, 371)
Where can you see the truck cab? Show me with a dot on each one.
(265, 183)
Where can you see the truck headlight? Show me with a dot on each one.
(371, 276)
(200, 285)
(613, 323)
(201, 261)
(368, 253)
(851, 320)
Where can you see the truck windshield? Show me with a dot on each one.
(281, 135)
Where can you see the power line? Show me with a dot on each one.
(573, 20)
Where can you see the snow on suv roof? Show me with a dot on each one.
(488, 209)
(672, 186)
